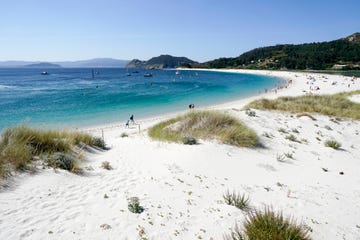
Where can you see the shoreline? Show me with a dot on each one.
(297, 87)
(181, 187)
(162, 117)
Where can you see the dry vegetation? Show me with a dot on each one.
(268, 225)
(337, 105)
(20, 146)
(205, 125)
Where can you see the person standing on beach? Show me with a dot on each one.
(132, 119)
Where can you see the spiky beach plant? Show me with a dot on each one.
(270, 225)
(332, 144)
(238, 200)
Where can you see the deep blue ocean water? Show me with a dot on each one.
(73, 98)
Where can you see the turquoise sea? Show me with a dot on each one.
(78, 97)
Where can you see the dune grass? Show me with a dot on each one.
(268, 225)
(240, 201)
(19, 146)
(337, 105)
(332, 144)
(205, 125)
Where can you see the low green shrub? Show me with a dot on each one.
(236, 199)
(134, 205)
(333, 144)
(328, 127)
(124, 135)
(289, 155)
(188, 140)
(63, 161)
(292, 138)
(282, 130)
(98, 142)
(270, 225)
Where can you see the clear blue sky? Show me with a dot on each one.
(52, 30)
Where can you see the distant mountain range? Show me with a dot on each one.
(92, 63)
(160, 62)
(342, 54)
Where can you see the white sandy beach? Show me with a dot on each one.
(181, 186)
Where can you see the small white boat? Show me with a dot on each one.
(177, 72)
(44, 73)
(147, 75)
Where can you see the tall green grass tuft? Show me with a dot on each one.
(205, 125)
(337, 105)
(271, 225)
(333, 144)
(21, 145)
(237, 200)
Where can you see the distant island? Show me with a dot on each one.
(42, 65)
(162, 61)
(95, 63)
(91, 63)
(341, 54)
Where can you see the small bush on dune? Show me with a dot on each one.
(333, 144)
(98, 142)
(236, 199)
(271, 225)
(63, 161)
(134, 205)
(21, 145)
(292, 138)
(268, 225)
(188, 140)
(206, 125)
(337, 105)
(106, 165)
(124, 135)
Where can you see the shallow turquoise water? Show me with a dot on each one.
(74, 98)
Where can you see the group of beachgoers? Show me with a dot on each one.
(311, 81)
(280, 86)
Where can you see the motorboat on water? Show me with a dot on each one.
(177, 72)
(148, 75)
(44, 73)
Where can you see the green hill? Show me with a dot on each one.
(160, 62)
(338, 54)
